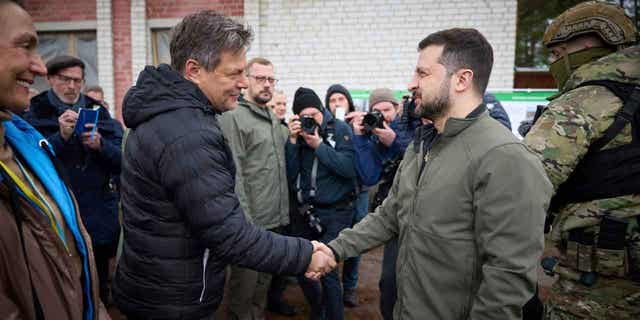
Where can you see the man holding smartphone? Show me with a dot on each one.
(90, 156)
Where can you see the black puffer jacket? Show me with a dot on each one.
(180, 214)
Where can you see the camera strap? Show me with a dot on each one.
(314, 177)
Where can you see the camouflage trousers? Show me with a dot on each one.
(608, 299)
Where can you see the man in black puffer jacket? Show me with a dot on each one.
(181, 219)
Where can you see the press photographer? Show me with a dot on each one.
(380, 138)
(321, 173)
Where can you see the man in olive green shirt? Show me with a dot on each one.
(468, 201)
(257, 140)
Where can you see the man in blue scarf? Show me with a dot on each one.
(46, 262)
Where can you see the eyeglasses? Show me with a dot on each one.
(261, 79)
(66, 79)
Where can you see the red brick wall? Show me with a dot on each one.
(121, 23)
(61, 10)
(180, 8)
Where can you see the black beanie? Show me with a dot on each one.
(305, 98)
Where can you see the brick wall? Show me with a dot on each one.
(366, 44)
(180, 8)
(121, 12)
(61, 10)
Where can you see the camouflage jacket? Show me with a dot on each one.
(575, 119)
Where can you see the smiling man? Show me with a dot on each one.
(47, 269)
(183, 224)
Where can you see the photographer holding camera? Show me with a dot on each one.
(380, 138)
(321, 173)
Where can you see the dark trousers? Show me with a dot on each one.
(533, 309)
(350, 266)
(103, 253)
(278, 282)
(325, 297)
(387, 284)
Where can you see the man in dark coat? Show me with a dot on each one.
(182, 221)
(91, 159)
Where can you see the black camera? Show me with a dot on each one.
(307, 211)
(409, 107)
(372, 120)
(308, 124)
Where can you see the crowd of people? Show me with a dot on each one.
(213, 183)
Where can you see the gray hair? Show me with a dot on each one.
(204, 36)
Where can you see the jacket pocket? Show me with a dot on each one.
(205, 260)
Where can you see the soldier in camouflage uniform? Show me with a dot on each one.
(592, 41)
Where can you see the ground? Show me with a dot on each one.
(368, 293)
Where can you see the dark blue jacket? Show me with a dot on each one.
(496, 110)
(92, 174)
(336, 171)
(371, 155)
(182, 221)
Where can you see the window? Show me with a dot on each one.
(79, 44)
(160, 39)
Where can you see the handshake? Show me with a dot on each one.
(322, 261)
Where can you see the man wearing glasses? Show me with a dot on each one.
(257, 140)
(91, 157)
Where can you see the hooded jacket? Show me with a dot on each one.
(257, 139)
(338, 88)
(182, 221)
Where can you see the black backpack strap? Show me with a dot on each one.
(19, 216)
(630, 96)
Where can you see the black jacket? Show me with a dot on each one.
(181, 217)
(92, 174)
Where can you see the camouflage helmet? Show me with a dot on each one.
(604, 19)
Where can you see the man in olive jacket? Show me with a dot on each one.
(257, 139)
(468, 201)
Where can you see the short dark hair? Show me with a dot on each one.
(258, 60)
(94, 89)
(204, 36)
(464, 48)
(17, 2)
(58, 63)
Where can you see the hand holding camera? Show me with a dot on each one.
(294, 128)
(386, 135)
(355, 119)
(372, 120)
(309, 131)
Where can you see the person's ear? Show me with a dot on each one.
(463, 80)
(193, 71)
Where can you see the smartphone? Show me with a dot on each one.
(87, 116)
(340, 113)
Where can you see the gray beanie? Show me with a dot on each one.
(380, 95)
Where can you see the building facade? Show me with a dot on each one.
(362, 44)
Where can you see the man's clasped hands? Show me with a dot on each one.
(322, 261)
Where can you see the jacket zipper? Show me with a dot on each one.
(205, 259)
